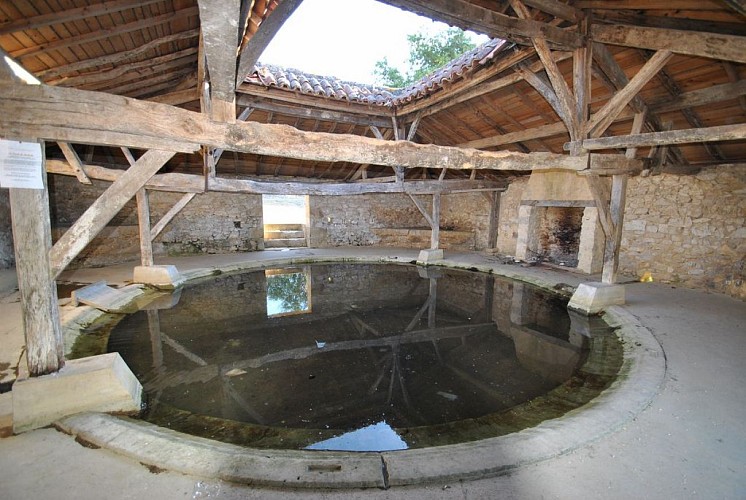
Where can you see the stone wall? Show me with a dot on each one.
(7, 258)
(210, 223)
(688, 229)
(393, 220)
(682, 229)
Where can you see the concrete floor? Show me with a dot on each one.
(690, 442)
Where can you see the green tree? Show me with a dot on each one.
(426, 54)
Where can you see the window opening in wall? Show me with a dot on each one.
(285, 221)
(288, 292)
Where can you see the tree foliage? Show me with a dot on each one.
(426, 54)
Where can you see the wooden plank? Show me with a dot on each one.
(103, 33)
(639, 18)
(32, 239)
(494, 228)
(54, 112)
(701, 97)
(310, 101)
(710, 45)
(473, 17)
(684, 136)
(74, 160)
(68, 15)
(168, 216)
(103, 297)
(732, 71)
(260, 40)
(600, 192)
(606, 115)
(219, 24)
(95, 218)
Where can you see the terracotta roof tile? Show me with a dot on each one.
(331, 87)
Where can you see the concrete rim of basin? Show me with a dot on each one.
(639, 379)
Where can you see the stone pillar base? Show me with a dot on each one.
(429, 256)
(165, 277)
(99, 383)
(592, 298)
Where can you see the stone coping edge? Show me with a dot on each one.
(642, 373)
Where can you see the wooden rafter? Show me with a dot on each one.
(708, 134)
(219, 24)
(606, 115)
(313, 113)
(260, 40)
(473, 17)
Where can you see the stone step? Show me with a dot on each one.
(284, 234)
(285, 243)
(284, 227)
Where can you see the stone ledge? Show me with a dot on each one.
(98, 383)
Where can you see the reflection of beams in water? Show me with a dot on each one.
(205, 373)
(183, 350)
(241, 402)
(495, 394)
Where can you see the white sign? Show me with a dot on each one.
(20, 165)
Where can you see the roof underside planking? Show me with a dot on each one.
(490, 99)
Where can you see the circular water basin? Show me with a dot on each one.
(363, 357)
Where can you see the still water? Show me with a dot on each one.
(363, 357)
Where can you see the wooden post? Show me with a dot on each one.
(616, 213)
(32, 239)
(494, 219)
(435, 235)
(143, 219)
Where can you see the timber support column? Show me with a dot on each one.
(32, 236)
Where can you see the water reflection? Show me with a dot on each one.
(434, 356)
(376, 437)
(288, 291)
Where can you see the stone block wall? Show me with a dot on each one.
(7, 258)
(394, 220)
(210, 223)
(688, 229)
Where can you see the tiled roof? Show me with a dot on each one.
(333, 88)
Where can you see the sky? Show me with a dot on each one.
(345, 38)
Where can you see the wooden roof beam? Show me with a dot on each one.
(685, 136)
(219, 24)
(64, 114)
(693, 43)
(701, 97)
(494, 24)
(313, 114)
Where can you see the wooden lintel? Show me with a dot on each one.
(710, 45)
(95, 218)
(684, 136)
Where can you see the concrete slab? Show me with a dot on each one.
(430, 256)
(166, 277)
(103, 297)
(592, 298)
(99, 383)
